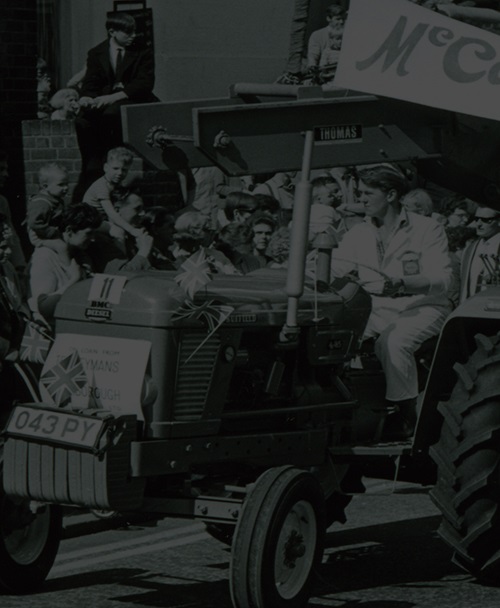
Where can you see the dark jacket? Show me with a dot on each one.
(136, 74)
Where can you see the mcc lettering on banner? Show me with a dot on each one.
(395, 48)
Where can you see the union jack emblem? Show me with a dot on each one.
(34, 345)
(64, 379)
(196, 273)
(210, 312)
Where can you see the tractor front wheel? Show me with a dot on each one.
(278, 541)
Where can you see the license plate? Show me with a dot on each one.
(55, 426)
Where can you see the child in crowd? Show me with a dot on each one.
(323, 49)
(44, 209)
(418, 201)
(100, 193)
(325, 217)
(65, 104)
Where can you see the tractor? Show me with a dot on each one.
(240, 407)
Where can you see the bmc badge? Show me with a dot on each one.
(100, 311)
(411, 263)
(105, 291)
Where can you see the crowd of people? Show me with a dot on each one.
(418, 254)
(417, 257)
(241, 229)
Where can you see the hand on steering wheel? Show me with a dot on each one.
(393, 288)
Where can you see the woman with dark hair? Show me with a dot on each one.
(234, 241)
(51, 272)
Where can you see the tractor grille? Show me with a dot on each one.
(194, 374)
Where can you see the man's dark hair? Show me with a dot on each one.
(120, 21)
(262, 217)
(384, 178)
(243, 201)
(156, 217)
(268, 203)
(80, 217)
(336, 10)
(451, 203)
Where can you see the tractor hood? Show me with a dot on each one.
(154, 299)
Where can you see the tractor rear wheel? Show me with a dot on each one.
(468, 463)
(278, 541)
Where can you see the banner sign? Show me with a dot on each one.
(398, 49)
(95, 371)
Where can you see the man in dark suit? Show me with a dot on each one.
(480, 262)
(117, 73)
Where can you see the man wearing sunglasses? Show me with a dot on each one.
(480, 265)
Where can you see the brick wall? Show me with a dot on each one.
(46, 141)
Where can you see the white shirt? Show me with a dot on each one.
(414, 237)
(113, 53)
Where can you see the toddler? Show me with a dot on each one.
(65, 104)
(44, 209)
(99, 194)
(326, 198)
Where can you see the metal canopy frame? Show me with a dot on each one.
(268, 136)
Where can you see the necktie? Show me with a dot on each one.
(119, 61)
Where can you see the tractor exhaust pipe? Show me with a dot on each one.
(298, 242)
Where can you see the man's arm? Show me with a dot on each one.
(117, 219)
(95, 80)
(345, 255)
(471, 13)
(107, 255)
(314, 48)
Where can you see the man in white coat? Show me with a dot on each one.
(402, 259)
